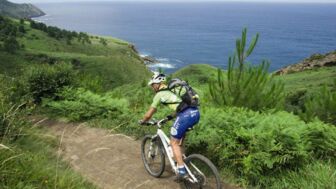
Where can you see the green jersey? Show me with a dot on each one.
(166, 97)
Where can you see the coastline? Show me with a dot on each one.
(153, 63)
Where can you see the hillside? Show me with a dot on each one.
(310, 74)
(19, 10)
(110, 59)
(314, 61)
(263, 139)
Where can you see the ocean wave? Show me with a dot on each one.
(142, 55)
(44, 18)
(162, 65)
(179, 61)
(161, 60)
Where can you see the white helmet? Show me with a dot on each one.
(157, 78)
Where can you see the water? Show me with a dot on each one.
(179, 34)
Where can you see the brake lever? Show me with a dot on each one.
(151, 123)
(163, 121)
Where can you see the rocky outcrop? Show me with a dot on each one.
(149, 60)
(315, 61)
(19, 10)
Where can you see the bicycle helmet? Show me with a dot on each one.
(157, 78)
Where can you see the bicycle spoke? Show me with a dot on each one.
(153, 156)
(206, 175)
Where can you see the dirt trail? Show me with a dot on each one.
(110, 161)
(107, 160)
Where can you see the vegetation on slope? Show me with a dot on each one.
(103, 57)
(36, 64)
(260, 147)
(27, 154)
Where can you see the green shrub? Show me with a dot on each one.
(322, 105)
(255, 145)
(11, 45)
(294, 101)
(90, 82)
(246, 85)
(45, 81)
(140, 96)
(80, 104)
(320, 140)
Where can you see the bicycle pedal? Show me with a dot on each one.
(179, 179)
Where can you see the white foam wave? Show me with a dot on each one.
(162, 65)
(177, 60)
(44, 18)
(163, 60)
(144, 54)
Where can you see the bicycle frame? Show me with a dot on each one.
(166, 144)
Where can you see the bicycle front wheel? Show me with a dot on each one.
(153, 156)
(205, 172)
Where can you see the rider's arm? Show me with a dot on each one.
(149, 114)
(153, 108)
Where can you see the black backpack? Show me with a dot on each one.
(188, 95)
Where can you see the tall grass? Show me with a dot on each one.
(30, 162)
(27, 155)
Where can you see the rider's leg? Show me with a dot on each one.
(175, 143)
(183, 122)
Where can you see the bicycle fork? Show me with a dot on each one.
(153, 150)
(192, 178)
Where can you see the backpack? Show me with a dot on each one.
(188, 95)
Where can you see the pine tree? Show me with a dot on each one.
(245, 85)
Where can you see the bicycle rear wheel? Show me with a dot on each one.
(205, 172)
(153, 156)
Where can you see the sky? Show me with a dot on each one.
(269, 1)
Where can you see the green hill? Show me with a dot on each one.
(19, 10)
(308, 80)
(197, 73)
(115, 61)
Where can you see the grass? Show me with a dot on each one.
(197, 74)
(31, 162)
(110, 61)
(11, 64)
(309, 80)
(200, 74)
(320, 174)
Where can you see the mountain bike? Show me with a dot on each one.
(202, 173)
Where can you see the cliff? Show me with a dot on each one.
(19, 10)
(315, 61)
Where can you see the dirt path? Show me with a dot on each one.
(110, 161)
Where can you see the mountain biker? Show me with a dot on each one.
(185, 120)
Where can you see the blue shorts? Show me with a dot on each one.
(185, 120)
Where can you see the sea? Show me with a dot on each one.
(181, 33)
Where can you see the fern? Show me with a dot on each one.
(255, 145)
(80, 104)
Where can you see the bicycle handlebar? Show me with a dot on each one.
(158, 123)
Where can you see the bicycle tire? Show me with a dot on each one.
(144, 155)
(211, 167)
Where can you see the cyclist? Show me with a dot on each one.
(185, 120)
